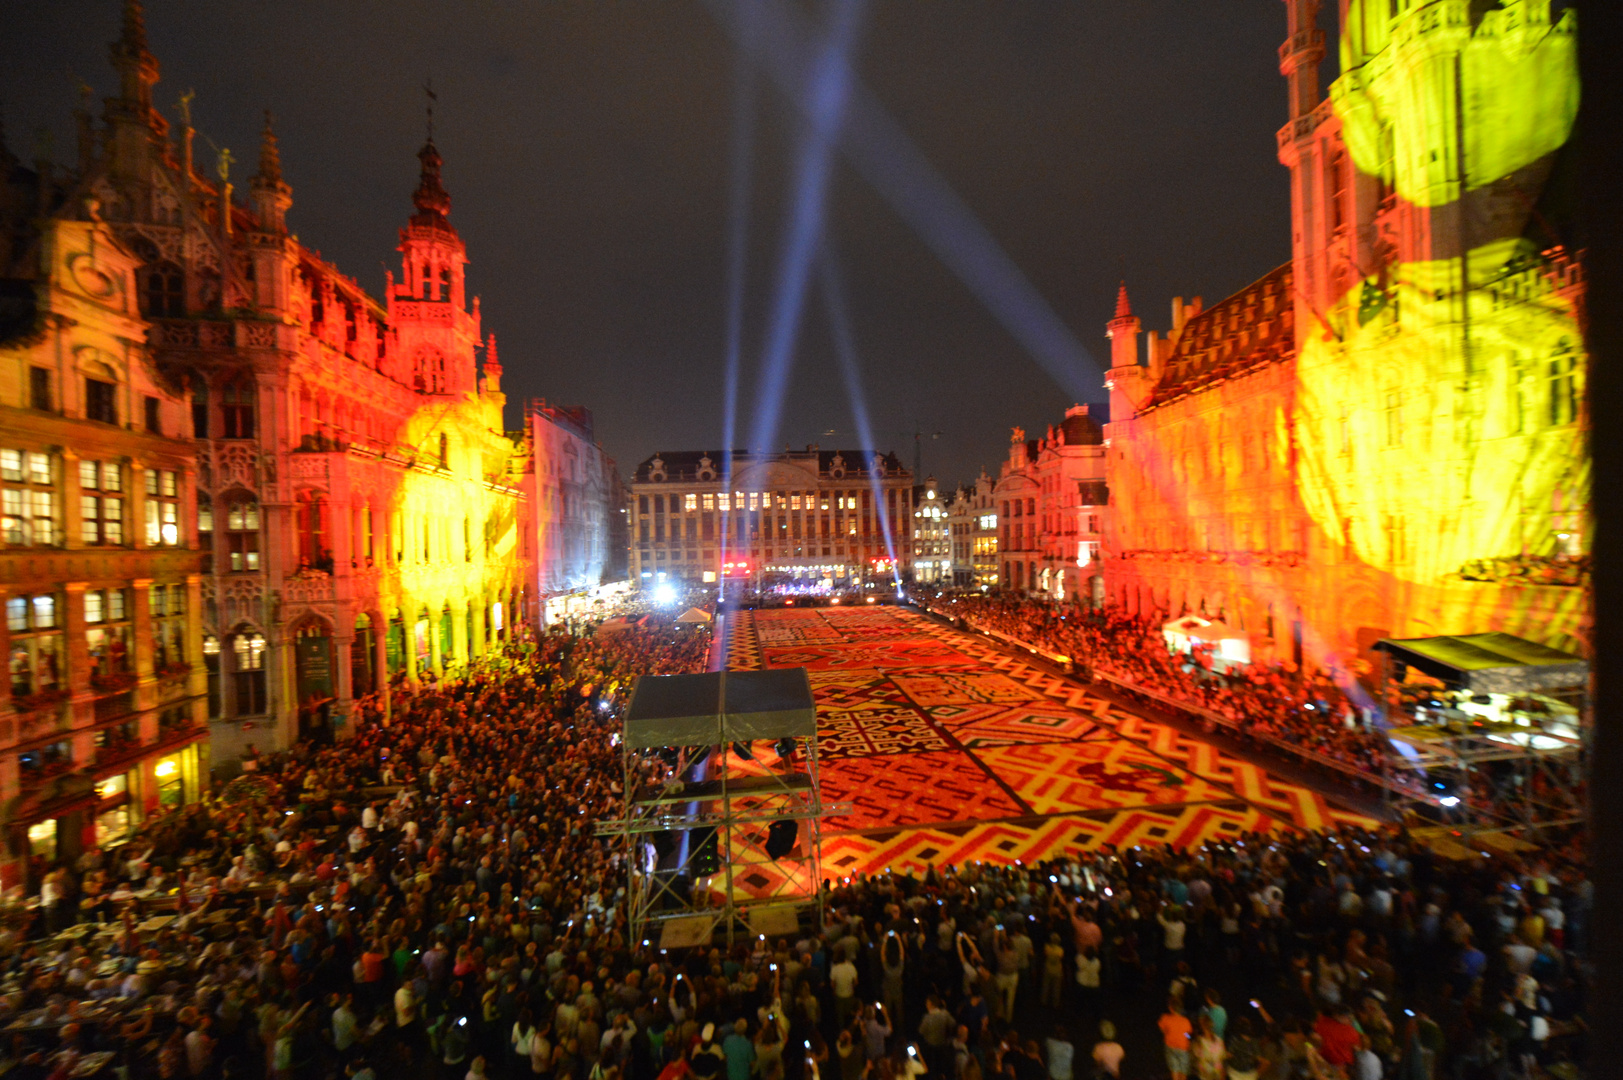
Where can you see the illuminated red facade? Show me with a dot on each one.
(357, 510)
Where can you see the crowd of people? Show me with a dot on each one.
(430, 897)
(1305, 711)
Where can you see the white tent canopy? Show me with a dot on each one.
(1229, 644)
(693, 615)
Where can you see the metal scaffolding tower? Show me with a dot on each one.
(720, 829)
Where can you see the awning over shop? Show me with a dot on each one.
(1489, 663)
(720, 707)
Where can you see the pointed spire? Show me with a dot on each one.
(271, 195)
(491, 360)
(134, 40)
(270, 159)
(1123, 308)
(433, 202)
(137, 73)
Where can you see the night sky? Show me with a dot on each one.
(587, 147)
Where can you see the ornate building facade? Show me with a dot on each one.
(358, 508)
(972, 523)
(932, 546)
(102, 717)
(1052, 499)
(1385, 436)
(839, 514)
(578, 508)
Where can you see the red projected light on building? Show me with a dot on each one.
(735, 569)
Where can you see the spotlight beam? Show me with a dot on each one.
(839, 319)
(740, 175)
(880, 150)
(824, 82)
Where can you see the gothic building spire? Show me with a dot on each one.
(270, 158)
(137, 69)
(433, 202)
(271, 195)
(1123, 308)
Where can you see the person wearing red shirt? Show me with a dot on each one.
(1339, 1040)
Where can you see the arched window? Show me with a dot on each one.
(445, 283)
(164, 291)
(428, 282)
(237, 409)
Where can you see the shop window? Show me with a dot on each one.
(248, 655)
(115, 812)
(28, 497)
(162, 508)
(171, 777)
(42, 840)
(36, 658)
(242, 536)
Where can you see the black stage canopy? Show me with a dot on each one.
(1490, 663)
(720, 707)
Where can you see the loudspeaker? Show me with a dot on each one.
(704, 856)
(780, 838)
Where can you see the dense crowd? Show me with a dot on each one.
(1306, 711)
(430, 898)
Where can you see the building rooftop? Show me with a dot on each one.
(1252, 328)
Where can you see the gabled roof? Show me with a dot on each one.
(1252, 328)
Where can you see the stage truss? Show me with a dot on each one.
(691, 765)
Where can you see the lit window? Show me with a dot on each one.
(725, 501)
(29, 499)
(710, 502)
(162, 508)
(690, 502)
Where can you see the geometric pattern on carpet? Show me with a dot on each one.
(1035, 723)
(880, 729)
(932, 688)
(910, 653)
(797, 632)
(916, 849)
(911, 789)
(1066, 777)
(1094, 766)
(859, 688)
